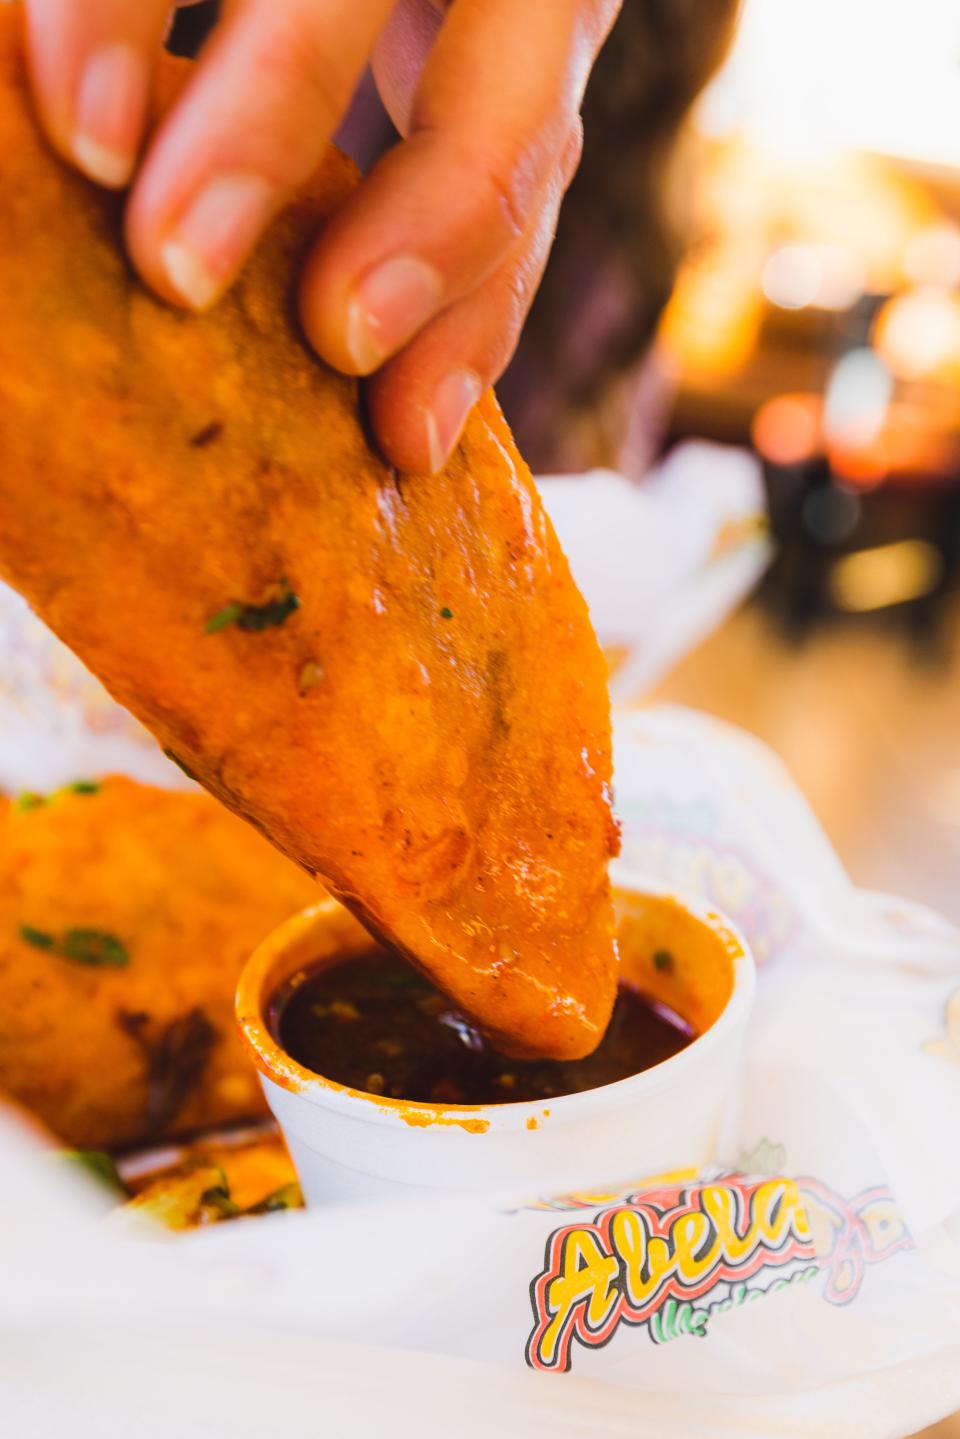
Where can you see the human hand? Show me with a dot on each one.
(423, 279)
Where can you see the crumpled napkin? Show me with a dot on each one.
(809, 1285)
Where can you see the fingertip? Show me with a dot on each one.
(446, 413)
(417, 422)
(193, 256)
(91, 74)
(106, 166)
(395, 417)
(324, 319)
(356, 324)
(109, 112)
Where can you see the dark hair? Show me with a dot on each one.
(615, 250)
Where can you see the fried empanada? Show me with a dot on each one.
(126, 914)
(394, 678)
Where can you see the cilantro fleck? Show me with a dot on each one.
(29, 800)
(227, 616)
(446, 613)
(84, 946)
(288, 1196)
(274, 612)
(254, 618)
(39, 938)
(94, 947)
(662, 959)
(218, 1197)
(98, 1165)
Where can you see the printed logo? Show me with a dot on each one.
(680, 844)
(849, 1234)
(669, 1259)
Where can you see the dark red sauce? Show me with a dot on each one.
(373, 1023)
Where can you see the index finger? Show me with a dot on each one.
(249, 128)
(496, 105)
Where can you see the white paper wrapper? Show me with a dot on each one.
(57, 723)
(811, 1286)
(663, 562)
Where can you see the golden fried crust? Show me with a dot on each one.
(428, 730)
(109, 1055)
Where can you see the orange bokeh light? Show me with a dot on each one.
(788, 429)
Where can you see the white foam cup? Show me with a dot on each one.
(347, 1144)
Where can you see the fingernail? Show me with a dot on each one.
(109, 111)
(453, 399)
(389, 305)
(211, 239)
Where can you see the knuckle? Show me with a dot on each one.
(292, 56)
(507, 186)
(511, 185)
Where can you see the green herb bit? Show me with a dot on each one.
(218, 1197)
(98, 1165)
(275, 612)
(95, 947)
(446, 613)
(29, 800)
(227, 616)
(39, 938)
(84, 946)
(662, 959)
(254, 618)
(288, 1196)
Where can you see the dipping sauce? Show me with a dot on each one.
(373, 1023)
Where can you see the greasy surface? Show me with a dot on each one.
(372, 1023)
(188, 891)
(428, 730)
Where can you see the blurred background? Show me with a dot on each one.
(816, 318)
(809, 203)
(762, 251)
